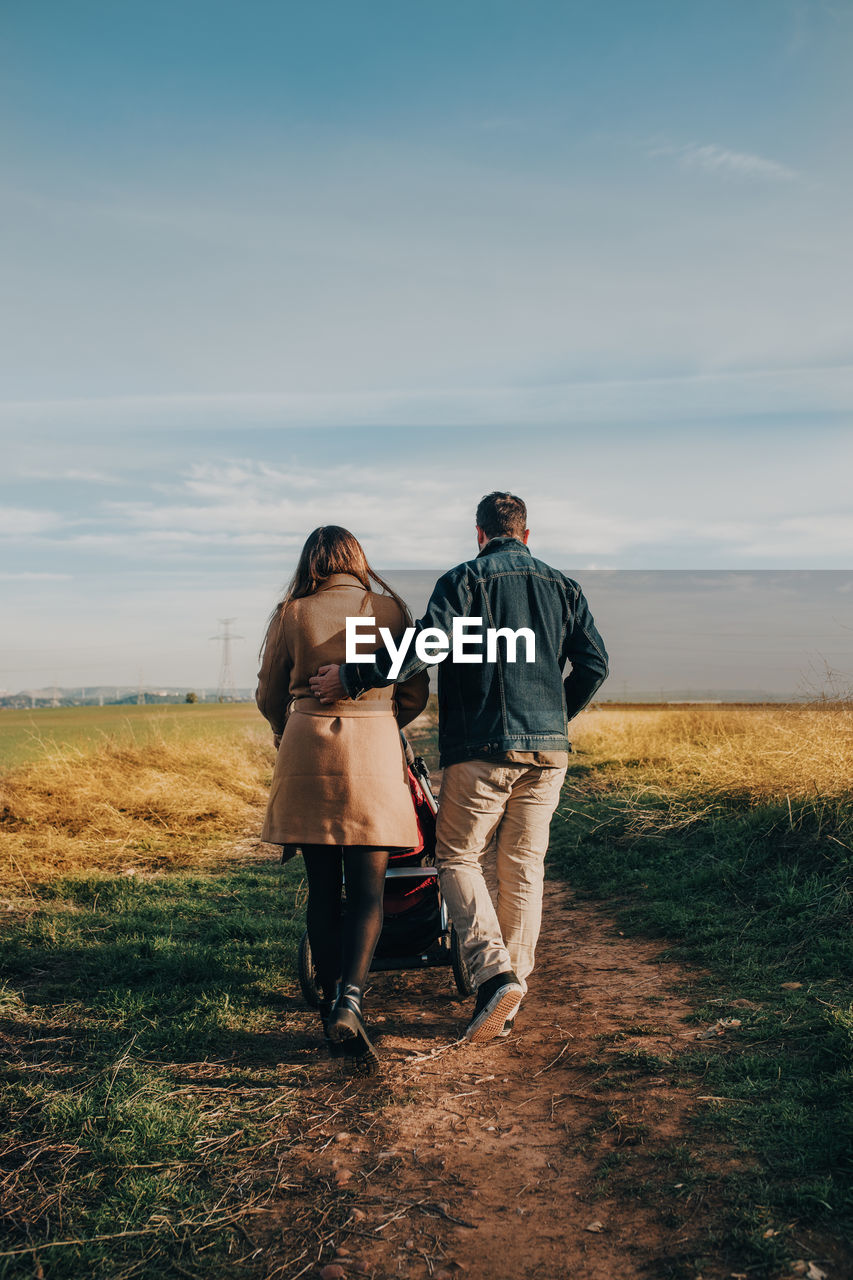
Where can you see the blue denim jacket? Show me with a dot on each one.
(491, 707)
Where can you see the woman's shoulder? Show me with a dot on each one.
(292, 615)
(286, 618)
(386, 611)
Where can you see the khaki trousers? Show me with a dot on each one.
(511, 804)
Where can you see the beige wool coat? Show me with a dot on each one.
(340, 774)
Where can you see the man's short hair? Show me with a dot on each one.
(502, 515)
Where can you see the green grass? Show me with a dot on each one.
(144, 1026)
(152, 1039)
(25, 736)
(151, 1044)
(754, 897)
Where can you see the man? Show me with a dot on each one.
(503, 742)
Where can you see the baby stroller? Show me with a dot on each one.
(416, 930)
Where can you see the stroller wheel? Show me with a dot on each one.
(308, 973)
(461, 976)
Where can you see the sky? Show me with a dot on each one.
(271, 265)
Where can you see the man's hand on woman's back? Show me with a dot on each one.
(326, 684)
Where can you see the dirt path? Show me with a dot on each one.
(491, 1161)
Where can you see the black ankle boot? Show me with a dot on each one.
(325, 1009)
(346, 1025)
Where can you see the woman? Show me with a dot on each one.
(340, 790)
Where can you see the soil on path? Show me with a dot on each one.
(494, 1161)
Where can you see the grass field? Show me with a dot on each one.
(148, 968)
(29, 735)
(728, 832)
(170, 788)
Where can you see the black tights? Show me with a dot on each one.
(343, 954)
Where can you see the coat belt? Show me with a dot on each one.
(346, 710)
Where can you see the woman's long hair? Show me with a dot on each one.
(328, 550)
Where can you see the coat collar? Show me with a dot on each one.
(503, 543)
(341, 580)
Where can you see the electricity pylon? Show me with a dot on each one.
(226, 691)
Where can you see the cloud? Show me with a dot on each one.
(35, 577)
(82, 475)
(271, 507)
(648, 499)
(400, 295)
(259, 513)
(714, 159)
(816, 535)
(205, 539)
(708, 389)
(22, 522)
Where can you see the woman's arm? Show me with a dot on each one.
(273, 692)
(410, 698)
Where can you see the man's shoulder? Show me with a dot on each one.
(482, 567)
(573, 588)
(459, 573)
(508, 561)
(546, 570)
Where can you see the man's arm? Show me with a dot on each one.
(584, 649)
(450, 598)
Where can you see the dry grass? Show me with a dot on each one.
(754, 753)
(156, 1094)
(158, 803)
(176, 801)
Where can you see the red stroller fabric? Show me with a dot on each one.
(401, 895)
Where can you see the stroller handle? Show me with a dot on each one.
(419, 768)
